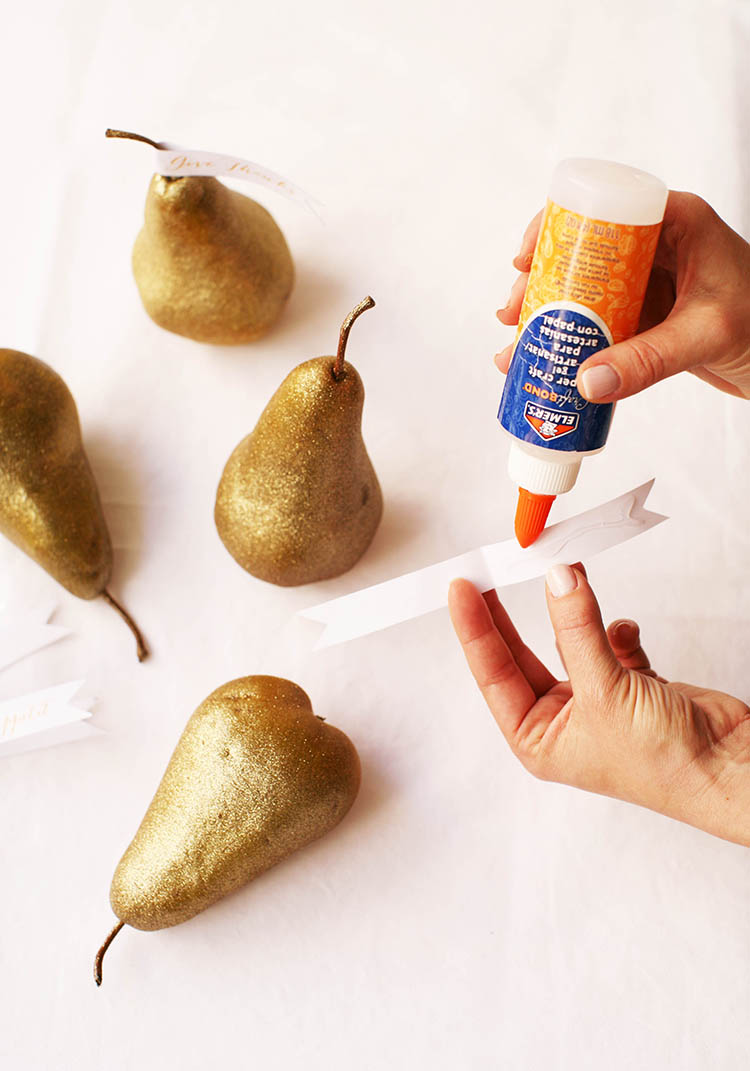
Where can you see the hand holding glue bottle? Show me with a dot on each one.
(588, 279)
(615, 727)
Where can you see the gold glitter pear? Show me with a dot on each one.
(255, 776)
(210, 263)
(49, 502)
(299, 500)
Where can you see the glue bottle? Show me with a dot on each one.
(588, 278)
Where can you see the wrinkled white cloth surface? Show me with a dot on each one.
(463, 915)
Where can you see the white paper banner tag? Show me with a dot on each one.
(495, 566)
(42, 719)
(176, 161)
(25, 631)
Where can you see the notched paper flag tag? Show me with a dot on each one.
(42, 719)
(177, 161)
(494, 566)
(24, 631)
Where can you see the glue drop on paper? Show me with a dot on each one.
(588, 278)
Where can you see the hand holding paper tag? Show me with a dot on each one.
(614, 727)
(494, 566)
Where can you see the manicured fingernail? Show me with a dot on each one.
(599, 382)
(561, 580)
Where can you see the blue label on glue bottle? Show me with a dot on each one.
(540, 403)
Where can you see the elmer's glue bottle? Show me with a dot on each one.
(588, 278)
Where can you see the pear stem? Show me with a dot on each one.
(133, 137)
(140, 642)
(338, 365)
(100, 954)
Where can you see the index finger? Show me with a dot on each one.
(508, 693)
(533, 669)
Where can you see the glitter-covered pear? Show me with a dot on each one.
(49, 502)
(210, 263)
(255, 776)
(299, 500)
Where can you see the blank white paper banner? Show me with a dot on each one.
(23, 631)
(494, 566)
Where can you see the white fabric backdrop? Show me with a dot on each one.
(464, 915)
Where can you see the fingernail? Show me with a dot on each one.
(561, 580)
(599, 382)
(625, 629)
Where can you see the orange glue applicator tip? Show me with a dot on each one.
(531, 515)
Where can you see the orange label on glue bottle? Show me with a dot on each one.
(604, 266)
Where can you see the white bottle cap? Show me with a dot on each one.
(603, 189)
(539, 475)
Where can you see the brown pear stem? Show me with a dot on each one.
(100, 954)
(132, 137)
(338, 365)
(140, 642)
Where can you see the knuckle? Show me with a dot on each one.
(699, 209)
(645, 364)
(726, 324)
(576, 621)
(499, 675)
(478, 636)
(541, 771)
(687, 217)
(535, 764)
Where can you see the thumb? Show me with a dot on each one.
(680, 342)
(584, 648)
